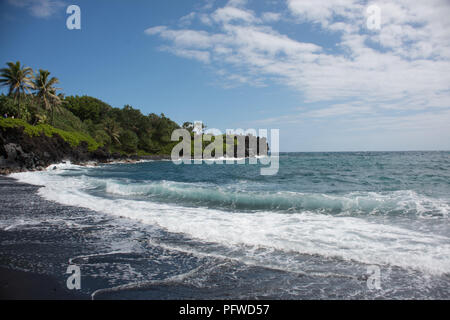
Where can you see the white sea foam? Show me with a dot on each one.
(403, 201)
(345, 237)
(62, 166)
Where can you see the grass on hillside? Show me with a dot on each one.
(74, 138)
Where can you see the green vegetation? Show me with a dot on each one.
(33, 101)
(18, 79)
(46, 92)
(36, 106)
(73, 138)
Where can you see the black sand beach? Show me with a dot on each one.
(124, 258)
(17, 281)
(19, 285)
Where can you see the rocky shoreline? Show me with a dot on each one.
(19, 152)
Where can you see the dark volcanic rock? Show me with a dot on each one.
(101, 155)
(19, 151)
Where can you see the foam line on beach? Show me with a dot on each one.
(348, 238)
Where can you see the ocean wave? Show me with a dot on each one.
(306, 232)
(396, 202)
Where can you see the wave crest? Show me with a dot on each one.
(396, 202)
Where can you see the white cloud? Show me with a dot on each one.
(184, 38)
(323, 11)
(202, 56)
(403, 66)
(155, 30)
(187, 19)
(228, 14)
(39, 8)
(270, 16)
(342, 109)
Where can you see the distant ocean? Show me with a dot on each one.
(316, 230)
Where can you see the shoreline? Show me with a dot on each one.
(43, 237)
(25, 285)
(17, 282)
(6, 171)
(20, 152)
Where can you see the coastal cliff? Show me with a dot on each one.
(40, 127)
(21, 150)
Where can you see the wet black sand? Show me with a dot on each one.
(31, 286)
(124, 259)
(17, 280)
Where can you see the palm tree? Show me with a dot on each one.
(112, 129)
(18, 79)
(46, 91)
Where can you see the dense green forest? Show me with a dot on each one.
(36, 104)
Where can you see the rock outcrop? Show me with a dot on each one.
(21, 152)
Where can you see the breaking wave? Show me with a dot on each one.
(317, 224)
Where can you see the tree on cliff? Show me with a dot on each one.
(18, 79)
(112, 129)
(46, 91)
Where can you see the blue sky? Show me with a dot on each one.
(309, 68)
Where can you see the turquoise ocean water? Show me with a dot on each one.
(317, 229)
